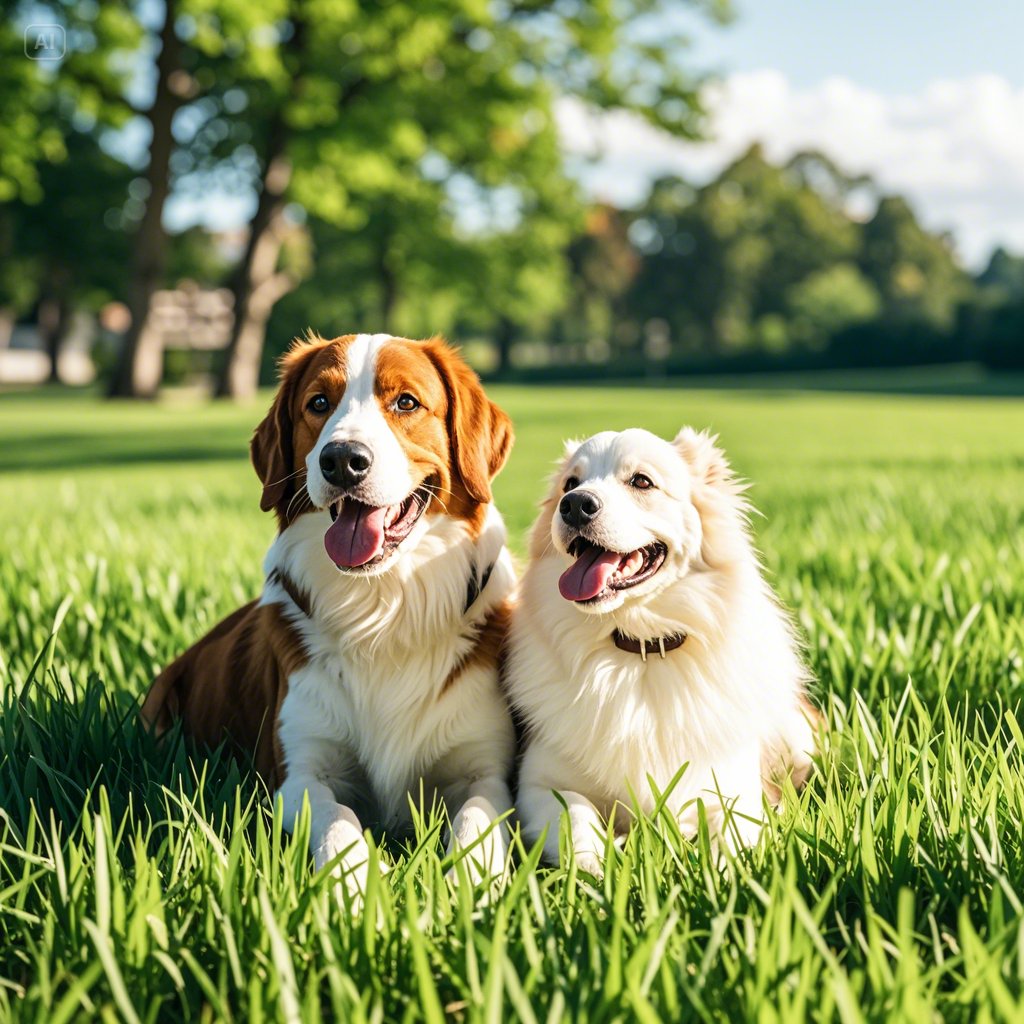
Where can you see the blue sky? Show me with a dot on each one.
(895, 46)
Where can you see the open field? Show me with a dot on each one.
(136, 884)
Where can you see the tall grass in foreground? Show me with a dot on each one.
(144, 882)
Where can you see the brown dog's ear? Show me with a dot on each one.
(480, 432)
(271, 446)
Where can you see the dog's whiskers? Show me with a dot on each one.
(307, 501)
(435, 492)
(297, 473)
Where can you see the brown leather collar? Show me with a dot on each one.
(661, 646)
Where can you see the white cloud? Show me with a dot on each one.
(956, 148)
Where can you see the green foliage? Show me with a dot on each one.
(1004, 275)
(409, 177)
(719, 259)
(431, 151)
(72, 240)
(826, 301)
(912, 269)
(152, 882)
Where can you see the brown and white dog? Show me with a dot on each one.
(367, 672)
(648, 656)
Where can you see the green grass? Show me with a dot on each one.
(154, 883)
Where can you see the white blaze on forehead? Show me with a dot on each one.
(360, 371)
(359, 417)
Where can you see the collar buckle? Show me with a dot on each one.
(660, 646)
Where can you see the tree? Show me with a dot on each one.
(1003, 277)
(44, 99)
(915, 271)
(73, 240)
(201, 50)
(719, 258)
(446, 91)
(828, 301)
(603, 263)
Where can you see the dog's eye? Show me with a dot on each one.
(570, 484)
(406, 403)
(641, 482)
(318, 405)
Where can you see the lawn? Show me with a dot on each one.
(154, 883)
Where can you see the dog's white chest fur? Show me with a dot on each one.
(353, 714)
(623, 720)
(368, 714)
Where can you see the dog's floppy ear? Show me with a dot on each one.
(271, 447)
(479, 432)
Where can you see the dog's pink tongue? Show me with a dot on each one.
(588, 575)
(357, 535)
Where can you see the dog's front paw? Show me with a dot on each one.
(482, 846)
(589, 860)
(344, 847)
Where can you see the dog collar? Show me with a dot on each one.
(661, 646)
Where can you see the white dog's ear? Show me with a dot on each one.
(718, 497)
(706, 460)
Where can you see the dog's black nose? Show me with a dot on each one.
(577, 508)
(345, 464)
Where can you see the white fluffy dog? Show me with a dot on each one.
(647, 640)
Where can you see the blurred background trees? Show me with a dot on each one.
(401, 170)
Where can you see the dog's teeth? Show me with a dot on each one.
(393, 513)
(630, 565)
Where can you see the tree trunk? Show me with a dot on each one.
(505, 336)
(140, 366)
(258, 284)
(7, 319)
(241, 376)
(54, 324)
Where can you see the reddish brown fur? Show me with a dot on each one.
(231, 682)
(489, 643)
(458, 434)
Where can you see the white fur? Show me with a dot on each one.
(364, 724)
(359, 417)
(602, 721)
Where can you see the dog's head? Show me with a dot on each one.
(383, 432)
(631, 514)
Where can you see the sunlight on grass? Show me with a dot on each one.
(143, 882)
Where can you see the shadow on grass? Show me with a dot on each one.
(42, 452)
(969, 380)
